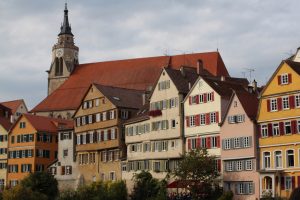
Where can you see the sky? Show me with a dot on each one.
(254, 34)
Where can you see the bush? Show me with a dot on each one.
(20, 192)
(227, 195)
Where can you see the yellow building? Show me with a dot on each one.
(4, 128)
(279, 130)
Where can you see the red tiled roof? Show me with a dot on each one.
(249, 102)
(5, 122)
(41, 123)
(13, 105)
(136, 74)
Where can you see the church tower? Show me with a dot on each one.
(64, 56)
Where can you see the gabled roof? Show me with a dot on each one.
(13, 105)
(48, 124)
(182, 81)
(249, 102)
(138, 74)
(122, 97)
(294, 65)
(5, 122)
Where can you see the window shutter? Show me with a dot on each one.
(116, 133)
(282, 184)
(212, 96)
(219, 165)
(189, 144)
(61, 136)
(290, 78)
(187, 121)
(250, 141)
(268, 105)
(208, 145)
(207, 118)
(87, 138)
(259, 131)
(198, 142)
(205, 97)
(298, 177)
(269, 130)
(279, 79)
(95, 137)
(294, 126)
(281, 128)
(218, 141)
(197, 120)
(293, 182)
(279, 103)
(197, 99)
(190, 100)
(292, 101)
(70, 169)
(102, 135)
(62, 170)
(109, 134)
(217, 117)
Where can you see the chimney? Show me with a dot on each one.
(200, 67)
(297, 56)
(12, 120)
(182, 71)
(223, 78)
(254, 85)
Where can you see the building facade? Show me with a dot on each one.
(18, 107)
(279, 129)
(64, 168)
(100, 142)
(155, 139)
(4, 128)
(239, 146)
(32, 146)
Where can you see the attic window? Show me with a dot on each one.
(116, 98)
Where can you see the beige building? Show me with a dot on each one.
(239, 150)
(64, 168)
(4, 128)
(100, 139)
(18, 107)
(154, 139)
(204, 108)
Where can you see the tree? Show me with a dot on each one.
(295, 194)
(20, 192)
(145, 186)
(197, 168)
(41, 182)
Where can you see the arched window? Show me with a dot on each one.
(58, 66)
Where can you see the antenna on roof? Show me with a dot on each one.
(250, 70)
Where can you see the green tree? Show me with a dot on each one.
(117, 190)
(20, 192)
(198, 167)
(145, 186)
(41, 182)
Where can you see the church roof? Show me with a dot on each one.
(138, 74)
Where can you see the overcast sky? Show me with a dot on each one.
(255, 34)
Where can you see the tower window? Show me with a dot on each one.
(58, 66)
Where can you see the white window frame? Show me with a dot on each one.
(249, 165)
(264, 130)
(276, 159)
(275, 129)
(273, 105)
(285, 103)
(284, 79)
(287, 158)
(266, 160)
(192, 121)
(297, 100)
(213, 118)
(202, 119)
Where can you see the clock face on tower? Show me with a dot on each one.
(59, 52)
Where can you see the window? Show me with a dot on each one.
(244, 188)
(239, 165)
(246, 141)
(85, 105)
(214, 142)
(112, 176)
(209, 96)
(227, 144)
(288, 182)
(83, 120)
(287, 127)
(193, 143)
(156, 166)
(278, 159)
(266, 160)
(231, 119)
(104, 116)
(248, 165)
(203, 142)
(113, 134)
(111, 114)
(78, 120)
(68, 170)
(213, 117)
(229, 166)
(241, 188)
(105, 137)
(97, 102)
(237, 143)
(202, 119)
(290, 158)
(194, 99)
(192, 120)
(98, 117)
(124, 167)
(172, 103)
(264, 130)
(65, 153)
(273, 104)
(173, 123)
(240, 118)
(275, 129)
(284, 79)
(164, 145)
(201, 98)
(22, 125)
(26, 168)
(163, 85)
(297, 100)
(124, 114)
(285, 103)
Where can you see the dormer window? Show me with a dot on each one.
(163, 85)
(22, 124)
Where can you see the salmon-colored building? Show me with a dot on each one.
(32, 145)
(239, 146)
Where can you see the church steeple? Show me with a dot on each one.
(65, 27)
(64, 56)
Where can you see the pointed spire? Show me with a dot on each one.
(65, 28)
